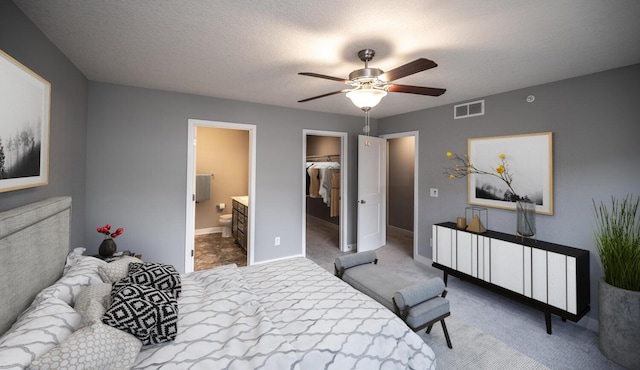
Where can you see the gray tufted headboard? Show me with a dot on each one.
(34, 243)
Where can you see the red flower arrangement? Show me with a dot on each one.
(106, 230)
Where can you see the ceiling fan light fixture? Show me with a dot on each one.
(370, 85)
(366, 98)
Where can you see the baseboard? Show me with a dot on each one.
(423, 260)
(278, 259)
(208, 230)
(400, 230)
(589, 323)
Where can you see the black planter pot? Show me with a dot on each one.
(107, 248)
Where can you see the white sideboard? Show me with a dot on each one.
(550, 277)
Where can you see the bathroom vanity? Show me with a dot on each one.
(240, 220)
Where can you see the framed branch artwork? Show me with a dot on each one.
(25, 100)
(527, 160)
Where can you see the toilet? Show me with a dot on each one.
(225, 222)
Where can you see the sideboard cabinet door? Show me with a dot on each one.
(445, 246)
(464, 255)
(507, 265)
(557, 279)
(539, 275)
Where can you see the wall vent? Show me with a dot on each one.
(474, 108)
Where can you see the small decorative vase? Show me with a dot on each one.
(526, 217)
(107, 248)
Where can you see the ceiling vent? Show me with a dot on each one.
(474, 108)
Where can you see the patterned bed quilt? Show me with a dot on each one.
(290, 314)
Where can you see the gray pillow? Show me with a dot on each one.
(351, 260)
(419, 293)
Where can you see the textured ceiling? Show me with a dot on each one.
(252, 50)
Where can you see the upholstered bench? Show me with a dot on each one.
(420, 305)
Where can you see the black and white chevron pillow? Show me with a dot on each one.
(147, 313)
(157, 275)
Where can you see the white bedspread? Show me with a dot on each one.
(290, 314)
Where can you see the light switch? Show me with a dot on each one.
(433, 192)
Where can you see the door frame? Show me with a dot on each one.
(416, 198)
(190, 188)
(344, 247)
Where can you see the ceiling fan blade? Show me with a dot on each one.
(420, 90)
(323, 95)
(410, 68)
(311, 74)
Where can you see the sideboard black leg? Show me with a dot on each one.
(445, 277)
(547, 319)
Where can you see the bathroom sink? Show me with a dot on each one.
(243, 199)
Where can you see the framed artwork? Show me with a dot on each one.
(25, 100)
(528, 158)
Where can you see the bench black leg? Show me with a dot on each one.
(446, 334)
(444, 329)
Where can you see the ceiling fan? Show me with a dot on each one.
(370, 85)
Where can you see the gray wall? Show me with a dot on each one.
(323, 145)
(21, 39)
(400, 182)
(136, 171)
(596, 132)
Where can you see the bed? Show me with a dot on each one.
(289, 314)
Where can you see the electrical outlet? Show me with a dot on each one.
(277, 241)
(433, 192)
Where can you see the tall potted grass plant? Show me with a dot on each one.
(617, 239)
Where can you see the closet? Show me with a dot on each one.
(323, 187)
(322, 172)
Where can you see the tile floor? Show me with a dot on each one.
(213, 250)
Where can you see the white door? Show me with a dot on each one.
(372, 159)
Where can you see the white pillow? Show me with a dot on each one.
(93, 302)
(116, 270)
(41, 327)
(97, 346)
(82, 274)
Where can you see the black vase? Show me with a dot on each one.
(107, 248)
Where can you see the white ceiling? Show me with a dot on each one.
(252, 50)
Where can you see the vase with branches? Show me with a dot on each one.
(525, 207)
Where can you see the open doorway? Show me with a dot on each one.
(402, 186)
(221, 189)
(324, 188)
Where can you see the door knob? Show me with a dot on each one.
(363, 201)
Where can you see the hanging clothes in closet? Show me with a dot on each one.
(323, 183)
